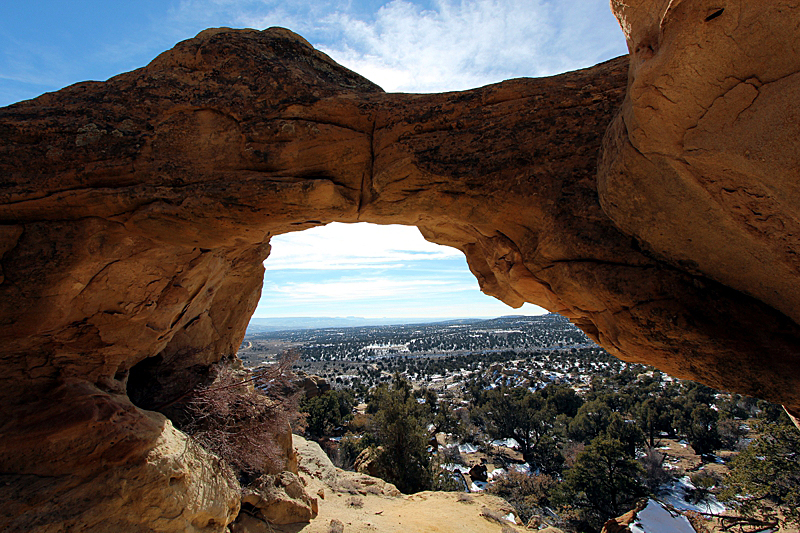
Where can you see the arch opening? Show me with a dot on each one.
(373, 272)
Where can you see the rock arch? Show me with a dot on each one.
(136, 214)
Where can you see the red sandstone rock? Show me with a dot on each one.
(135, 213)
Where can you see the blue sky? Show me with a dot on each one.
(409, 46)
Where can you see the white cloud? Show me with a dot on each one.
(351, 246)
(453, 45)
(363, 289)
(463, 44)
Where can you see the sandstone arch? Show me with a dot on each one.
(136, 213)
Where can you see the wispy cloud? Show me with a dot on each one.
(453, 44)
(352, 246)
(363, 289)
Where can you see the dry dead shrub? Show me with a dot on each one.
(527, 493)
(355, 502)
(655, 475)
(242, 415)
(698, 522)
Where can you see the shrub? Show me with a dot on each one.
(655, 475)
(704, 482)
(765, 477)
(528, 494)
(241, 415)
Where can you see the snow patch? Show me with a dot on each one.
(452, 467)
(674, 495)
(524, 468)
(656, 519)
(508, 443)
(497, 472)
(477, 486)
(467, 448)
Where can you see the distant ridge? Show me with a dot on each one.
(262, 325)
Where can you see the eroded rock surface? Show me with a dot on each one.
(135, 215)
(83, 460)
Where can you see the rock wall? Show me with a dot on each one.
(135, 215)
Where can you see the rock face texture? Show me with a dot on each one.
(652, 200)
(83, 460)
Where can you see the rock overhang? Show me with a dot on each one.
(137, 212)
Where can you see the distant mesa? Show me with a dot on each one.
(287, 323)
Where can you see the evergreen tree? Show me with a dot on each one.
(701, 430)
(655, 415)
(326, 412)
(562, 400)
(519, 414)
(603, 483)
(628, 433)
(399, 424)
(591, 421)
(767, 475)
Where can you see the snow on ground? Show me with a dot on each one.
(452, 467)
(496, 473)
(675, 491)
(478, 486)
(467, 448)
(524, 468)
(655, 519)
(508, 443)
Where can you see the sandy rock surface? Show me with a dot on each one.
(363, 504)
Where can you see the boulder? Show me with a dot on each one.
(479, 473)
(313, 386)
(84, 460)
(278, 499)
(316, 463)
(367, 461)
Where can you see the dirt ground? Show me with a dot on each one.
(367, 505)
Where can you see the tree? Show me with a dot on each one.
(448, 420)
(701, 430)
(399, 427)
(766, 475)
(627, 432)
(603, 483)
(654, 415)
(326, 412)
(519, 414)
(562, 399)
(591, 421)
